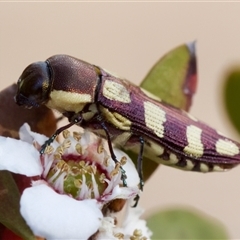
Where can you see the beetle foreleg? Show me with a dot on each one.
(75, 119)
(124, 176)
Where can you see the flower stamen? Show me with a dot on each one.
(79, 149)
(123, 160)
(137, 235)
(115, 171)
(49, 149)
(100, 148)
(57, 156)
(77, 136)
(60, 149)
(66, 144)
(120, 236)
(106, 161)
(66, 134)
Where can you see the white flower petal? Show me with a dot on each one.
(27, 135)
(19, 157)
(121, 192)
(54, 216)
(106, 229)
(133, 221)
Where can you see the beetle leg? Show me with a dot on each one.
(139, 163)
(139, 169)
(124, 176)
(77, 118)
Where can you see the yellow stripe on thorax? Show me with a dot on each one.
(68, 101)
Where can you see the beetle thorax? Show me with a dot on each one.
(74, 83)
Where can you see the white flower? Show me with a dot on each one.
(74, 182)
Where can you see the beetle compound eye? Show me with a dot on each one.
(34, 85)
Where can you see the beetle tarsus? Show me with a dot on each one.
(136, 199)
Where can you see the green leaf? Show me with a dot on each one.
(9, 207)
(174, 77)
(184, 224)
(231, 92)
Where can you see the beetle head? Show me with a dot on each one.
(34, 85)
